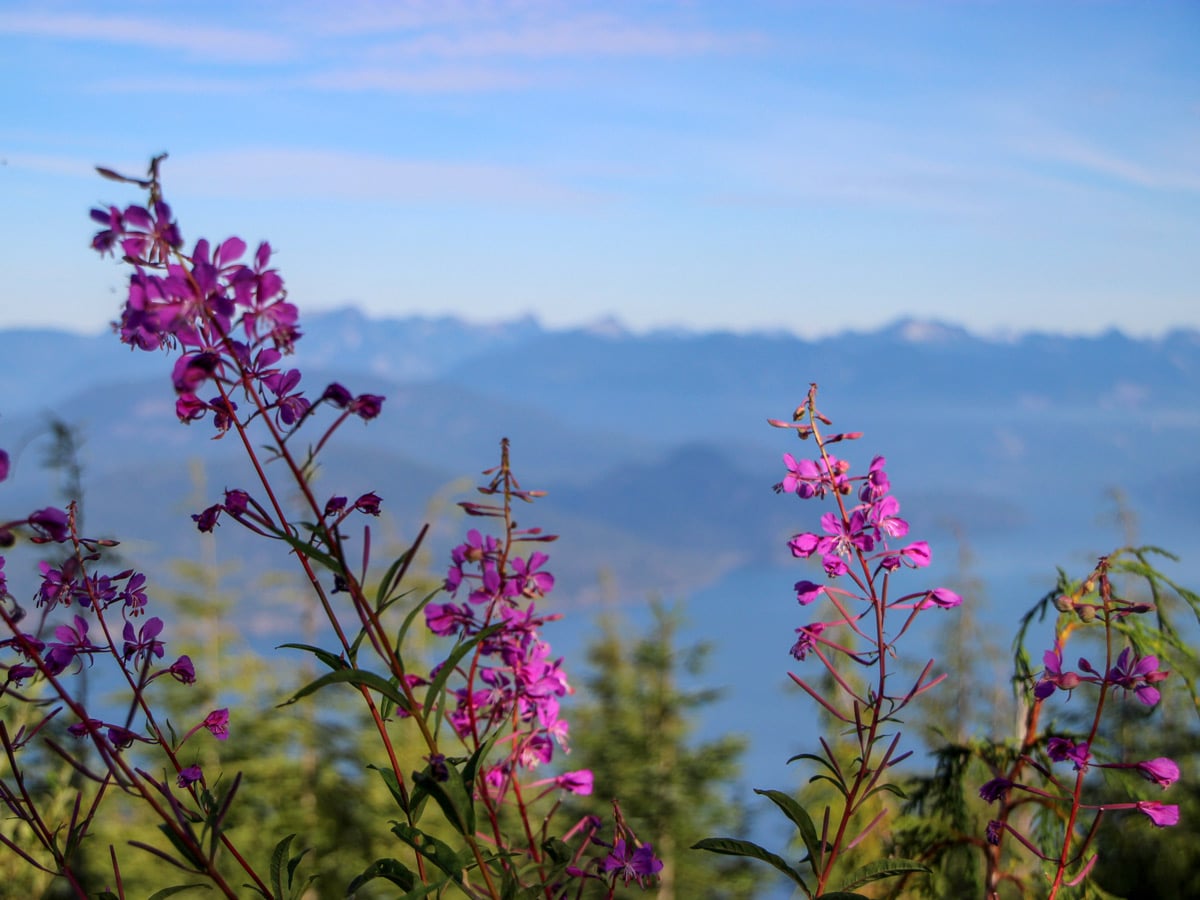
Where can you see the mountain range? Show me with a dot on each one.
(1010, 456)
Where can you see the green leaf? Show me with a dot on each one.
(834, 781)
(818, 759)
(437, 686)
(890, 788)
(734, 847)
(278, 858)
(304, 548)
(332, 660)
(451, 796)
(388, 869)
(436, 851)
(169, 891)
(393, 785)
(359, 677)
(293, 863)
(192, 856)
(416, 610)
(880, 869)
(804, 823)
(557, 849)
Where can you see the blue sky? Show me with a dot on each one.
(751, 165)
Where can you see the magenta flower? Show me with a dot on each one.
(1161, 814)
(217, 722)
(1061, 749)
(995, 789)
(529, 582)
(807, 592)
(994, 830)
(50, 525)
(1053, 677)
(876, 484)
(368, 503)
(366, 406)
(884, 516)
(806, 639)
(635, 866)
(943, 597)
(1162, 771)
(189, 776)
(183, 671)
(144, 640)
(578, 782)
(1137, 675)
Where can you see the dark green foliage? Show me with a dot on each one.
(633, 729)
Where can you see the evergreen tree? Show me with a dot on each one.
(634, 730)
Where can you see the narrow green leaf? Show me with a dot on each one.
(437, 686)
(175, 889)
(800, 817)
(734, 847)
(359, 677)
(193, 858)
(890, 788)
(296, 891)
(306, 549)
(834, 776)
(451, 796)
(332, 660)
(388, 869)
(416, 611)
(835, 782)
(393, 785)
(436, 851)
(880, 869)
(278, 858)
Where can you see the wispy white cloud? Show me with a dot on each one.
(586, 36)
(168, 32)
(1157, 174)
(298, 174)
(419, 79)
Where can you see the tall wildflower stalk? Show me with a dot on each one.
(487, 713)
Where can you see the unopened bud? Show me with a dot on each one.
(1089, 586)
(1086, 613)
(1064, 604)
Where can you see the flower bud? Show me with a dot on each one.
(1086, 613)
(1064, 604)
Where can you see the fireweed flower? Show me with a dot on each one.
(217, 722)
(808, 478)
(807, 592)
(1137, 675)
(578, 782)
(806, 639)
(1062, 749)
(182, 670)
(1053, 677)
(71, 642)
(144, 641)
(1162, 771)
(637, 865)
(994, 830)
(50, 524)
(189, 776)
(1161, 814)
(995, 789)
